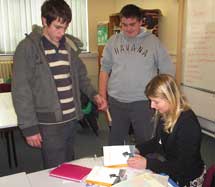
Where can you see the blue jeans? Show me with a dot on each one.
(58, 143)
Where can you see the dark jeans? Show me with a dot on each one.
(138, 114)
(58, 143)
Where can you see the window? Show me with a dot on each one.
(18, 16)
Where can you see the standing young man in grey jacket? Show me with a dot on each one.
(130, 60)
(47, 79)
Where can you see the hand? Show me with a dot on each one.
(138, 162)
(101, 102)
(35, 140)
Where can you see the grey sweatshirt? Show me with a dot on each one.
(133, 62)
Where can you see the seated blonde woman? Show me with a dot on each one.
(178, 136)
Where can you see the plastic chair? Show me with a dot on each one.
(209, 180)
(90, 114)
(5, 87)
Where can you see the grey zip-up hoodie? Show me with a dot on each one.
(133, 62)
(34, 91)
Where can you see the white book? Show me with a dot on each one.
(104, 176)
(117, 156)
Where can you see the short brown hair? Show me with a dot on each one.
(131, 11)
(56, 9)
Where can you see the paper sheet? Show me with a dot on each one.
(117, 155)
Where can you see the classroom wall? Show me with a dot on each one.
(92, 67)
(100, 11)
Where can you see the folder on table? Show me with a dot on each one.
(70, 172)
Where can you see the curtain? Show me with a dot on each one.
(18, 16)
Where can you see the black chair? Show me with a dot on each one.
(90, 114)
(209, 180)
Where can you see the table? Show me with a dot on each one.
(8, 121)
(42, 178)
(8, 116)
(19, 179)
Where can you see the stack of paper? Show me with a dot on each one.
(70, 172)
(144, 180)
(104, 176)
(117, 156)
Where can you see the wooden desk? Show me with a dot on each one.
(8, 121)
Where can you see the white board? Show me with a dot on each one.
(198, 58)
(199, 44)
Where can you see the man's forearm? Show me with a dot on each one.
(103, 81)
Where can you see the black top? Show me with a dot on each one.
(181, 149)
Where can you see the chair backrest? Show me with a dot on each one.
(5, 87)
(213, 182)
(209, 180)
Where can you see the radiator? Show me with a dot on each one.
(5, 70)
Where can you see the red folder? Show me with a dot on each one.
(70, 172)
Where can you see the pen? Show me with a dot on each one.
(109, 116)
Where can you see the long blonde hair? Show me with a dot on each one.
(163, 86)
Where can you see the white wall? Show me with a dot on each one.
(91, 62)
(98, 11)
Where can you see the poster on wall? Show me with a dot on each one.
(102, 34)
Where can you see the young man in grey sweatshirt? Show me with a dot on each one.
(130, 60)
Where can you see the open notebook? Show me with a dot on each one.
(117, 156)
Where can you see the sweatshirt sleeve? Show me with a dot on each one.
(21, 90)
(163, 60)
(152, 145)
(107, 57)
